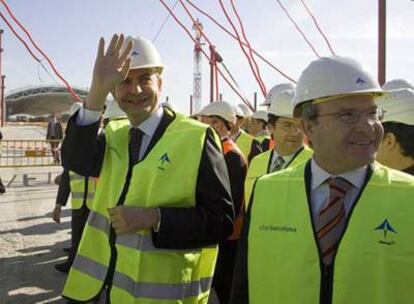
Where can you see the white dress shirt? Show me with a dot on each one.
(148, 126)
(287, 159)
(320, 189)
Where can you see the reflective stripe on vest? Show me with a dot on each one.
(77, 187)
(175, 157)
(142, 290)
(281, 243)
(259, 166)
(81, 195)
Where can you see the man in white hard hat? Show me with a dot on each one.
(287, 132)
(397, 147)
(249, 146)
(258, 129)
(275, 90)
(337, 228)
(397, 84)
(221, 116)
(112, 112)
(163, 199)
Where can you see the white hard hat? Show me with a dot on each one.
(113, 111)
(222, 109)
(261, 114)
(276, 89)
(74, 107)
(243, 111)
(333, 77)
(281, 104)
(398, 106)
(143, 54)
(238, 111)
(397, 84)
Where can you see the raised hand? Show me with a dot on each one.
(111, 67)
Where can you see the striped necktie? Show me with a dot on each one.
(135, 141)
(332, 218)
(277, 164)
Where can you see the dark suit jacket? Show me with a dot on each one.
(209, 222)
(58, 131)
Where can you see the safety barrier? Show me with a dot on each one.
(28, 153)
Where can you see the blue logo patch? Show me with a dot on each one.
(134, 53)
(360, 81)
(164, 159)
(386, 227)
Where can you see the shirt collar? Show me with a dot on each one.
(236, 136)
(149, 125)
(319, 175)
(286, 158)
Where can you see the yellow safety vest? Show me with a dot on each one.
(375, 258)
(244, 142)
(260, 165)
(260, 138)
(77, 189)
(142, 272)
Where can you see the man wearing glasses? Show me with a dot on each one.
(338, 228)
(287, 133)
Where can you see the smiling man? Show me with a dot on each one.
(335, 229)
(163, 198)
(290, 149)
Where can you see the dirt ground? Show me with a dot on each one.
(30, 242)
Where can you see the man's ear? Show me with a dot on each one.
(160, 82)
(389, 141)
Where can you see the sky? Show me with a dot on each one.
(68, 32)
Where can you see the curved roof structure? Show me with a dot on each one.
(41, 100)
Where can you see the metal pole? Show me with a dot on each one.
(255, 101)
(3, 104)
(382, 28)
(212, 60)
(191, 104)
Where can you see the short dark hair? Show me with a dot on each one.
(272, 119)
(404, 134)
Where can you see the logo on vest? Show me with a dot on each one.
(274, 228)
(164, 159)
(386, 228)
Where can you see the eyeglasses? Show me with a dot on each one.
(353, 116)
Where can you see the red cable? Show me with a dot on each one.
(245, 101)
(317, 26)
(234, 37)
(249, 45)
(203, 34)
(74, 95)
(18, 37)
(242, 48)
(297, 27)
(213, 59)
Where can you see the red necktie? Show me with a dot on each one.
(332, 218)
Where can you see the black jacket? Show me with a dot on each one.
(209, 222)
